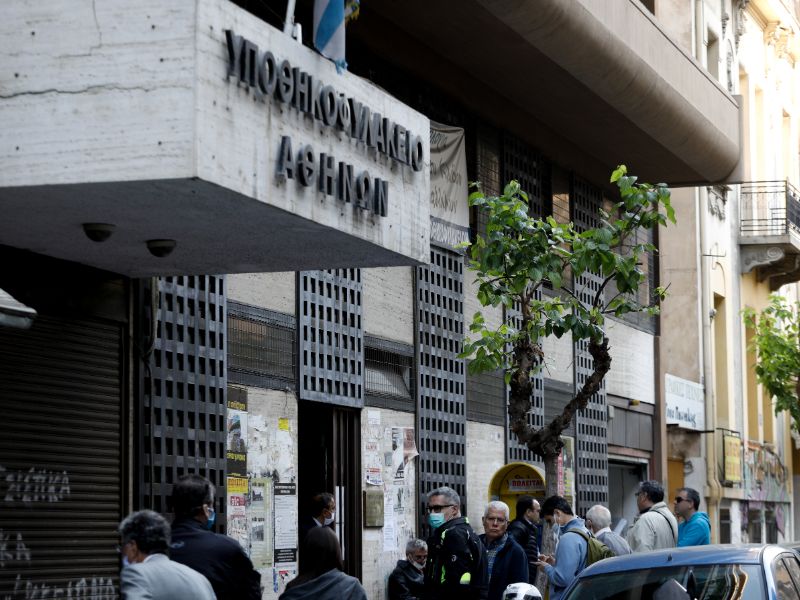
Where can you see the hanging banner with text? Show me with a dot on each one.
(449, 187)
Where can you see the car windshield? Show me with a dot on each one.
(707, 582)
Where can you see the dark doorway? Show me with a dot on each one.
(329, 460)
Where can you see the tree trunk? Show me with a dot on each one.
(548, 531)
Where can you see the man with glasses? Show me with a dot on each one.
(695, 529)
(148, 572)
(220, 558)
(655, 527)
(457, 561)
(507, 561)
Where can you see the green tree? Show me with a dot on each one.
(775, 342)
(519, 255)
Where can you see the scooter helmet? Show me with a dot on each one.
(521, 591)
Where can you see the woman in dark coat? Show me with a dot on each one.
(321, 576)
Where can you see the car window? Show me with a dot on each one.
(786, 573)
(709, 582)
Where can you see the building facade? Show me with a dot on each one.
(279, 306)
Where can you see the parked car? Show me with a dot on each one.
(724, 572)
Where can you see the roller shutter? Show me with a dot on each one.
(60, 465)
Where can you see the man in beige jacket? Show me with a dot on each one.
(656, 526)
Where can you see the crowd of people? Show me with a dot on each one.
(188, 560)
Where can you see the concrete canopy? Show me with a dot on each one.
(603, 76)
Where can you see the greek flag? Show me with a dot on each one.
(329, 30)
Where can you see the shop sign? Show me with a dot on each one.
(685, 403)
(732, 451)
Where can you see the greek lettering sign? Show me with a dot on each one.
(685, 403)
(732, 451)
(273, 78)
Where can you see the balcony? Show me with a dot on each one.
(769, 233)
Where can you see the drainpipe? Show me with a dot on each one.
(714, 488)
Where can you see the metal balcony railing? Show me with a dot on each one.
(769, 208)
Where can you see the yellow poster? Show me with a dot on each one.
(733, 458)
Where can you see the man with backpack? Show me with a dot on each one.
(457, 566)
(574, 551)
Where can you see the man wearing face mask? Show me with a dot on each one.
(570, 557)
(406, 581)
(147, 572)
(323, 514)
(457, 566)
(220, 558)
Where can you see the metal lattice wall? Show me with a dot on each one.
(331, 337)
(524, 164)
(183, 388)
(441, 413)
(591, 423)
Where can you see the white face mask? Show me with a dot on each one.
(329, 520)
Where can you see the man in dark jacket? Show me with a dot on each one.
(457, 561)
(507, 560)
(220, 558)
(524, 531)
(406, 581)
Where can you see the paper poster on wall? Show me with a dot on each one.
(236, 449)
(260, 519)
(389, 524)
(285, 501)
(404, 449)
(281, 576)
(237, 511)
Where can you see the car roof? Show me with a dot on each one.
(693, 555)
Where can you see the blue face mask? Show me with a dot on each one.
(125, 561)
(435, 519)
(212, 518)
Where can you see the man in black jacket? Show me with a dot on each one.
(220, 558)
(406, 581)
(523, 529)
(457, 562)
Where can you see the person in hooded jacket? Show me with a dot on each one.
(407, 580)
(321, 576)
(571, 552)
(695, 530)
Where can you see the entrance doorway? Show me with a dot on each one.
(329, 460)
(623, 481)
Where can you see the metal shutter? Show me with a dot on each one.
(60, 466)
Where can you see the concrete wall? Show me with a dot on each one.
(384, 546)
(389, 303)
(485, 455)
(274, 291)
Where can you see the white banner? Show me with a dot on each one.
(449, 187)
(685, 403)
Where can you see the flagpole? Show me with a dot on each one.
(288, 24)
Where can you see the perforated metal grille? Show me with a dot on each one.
(261, 347)
(522, 163)
(331, 337)
(441, 381)
(183, 405)
(389, 374)
(591, 423)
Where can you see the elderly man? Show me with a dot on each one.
(507, 560)
(523, 529)
(457, 561)
(695, 529)
(148, 572)
(598, 520)
(407, 580)
(655, 527)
